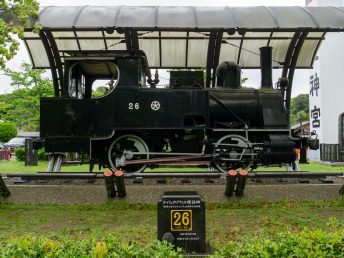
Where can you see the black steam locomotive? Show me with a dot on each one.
(136, 124)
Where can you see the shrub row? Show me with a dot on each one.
(307, 243)
(20, 154)
(107, 247)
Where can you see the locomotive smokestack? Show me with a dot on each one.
(266, 66)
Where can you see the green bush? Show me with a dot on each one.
(20, 154)
(42, 155)
(107, 247)
(307, 243)
(7, 131)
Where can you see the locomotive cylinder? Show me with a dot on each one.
(279, 149)
(266, 67)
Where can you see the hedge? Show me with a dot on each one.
(20, 154)
(307, 243)
(107, 247)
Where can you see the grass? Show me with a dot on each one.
(138, 223)
(229, 221)
(19, 167)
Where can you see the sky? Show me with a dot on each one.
(300, 78)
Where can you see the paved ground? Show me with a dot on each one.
(96, 194)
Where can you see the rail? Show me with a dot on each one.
(87, 175)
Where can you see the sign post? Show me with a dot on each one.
(181, 220)
(31, 156)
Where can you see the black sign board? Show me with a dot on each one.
(31, 156)
(181, 220)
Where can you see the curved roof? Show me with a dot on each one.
(170, 17)
(183, 37)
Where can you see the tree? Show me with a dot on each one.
(299, 108)
(7, 131)
(22, 106)
(15, 16)
(100, 91)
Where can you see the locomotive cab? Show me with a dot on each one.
(122, 70)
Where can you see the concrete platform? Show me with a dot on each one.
(96, 194)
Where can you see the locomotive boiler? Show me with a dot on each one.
(137, 124)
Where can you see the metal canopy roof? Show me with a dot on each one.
(163, 17)
(182, 37)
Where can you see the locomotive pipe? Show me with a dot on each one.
(266, 67)
(109, 184)
(230, 182)
(120, 183)
(242, 176)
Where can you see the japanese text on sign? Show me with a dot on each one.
(315, 85)
(314, 94)
(315, 114)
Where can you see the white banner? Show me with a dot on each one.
(315, 106)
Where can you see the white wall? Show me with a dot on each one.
(330, 69)
(332, 84)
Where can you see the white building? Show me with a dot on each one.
(326, 93)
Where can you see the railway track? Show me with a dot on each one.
(194, 178)
(88, 188)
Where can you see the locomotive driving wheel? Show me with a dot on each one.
(232, 152)
(126, 148)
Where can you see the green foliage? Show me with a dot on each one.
(243, 80)
(100, 91)
(20, 154)
(109, 246)
(15, 17)
(7, 131)
(22, 106)
(42, 155)
(299, 108)
(307, 243)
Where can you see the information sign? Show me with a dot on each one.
(181, 220)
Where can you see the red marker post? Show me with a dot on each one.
(109, 183)
(242, 176)
(230, 182)
(120, 183)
